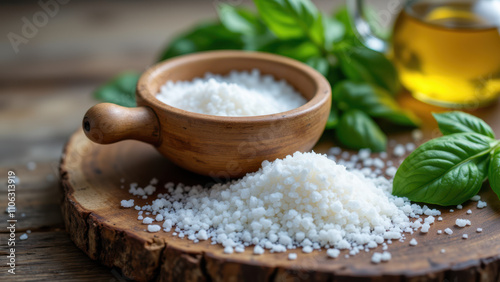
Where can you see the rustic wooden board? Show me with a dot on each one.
(91, 176)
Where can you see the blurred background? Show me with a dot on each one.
(46, 85)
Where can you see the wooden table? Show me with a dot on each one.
(44, 91)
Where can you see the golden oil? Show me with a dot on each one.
(449, 54)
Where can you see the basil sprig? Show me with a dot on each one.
(450, 169)
(297, 29)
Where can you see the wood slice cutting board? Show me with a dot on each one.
(91, 179)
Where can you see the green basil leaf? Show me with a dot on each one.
(342, 15)
(333, 119)
(356, 130)
(456, 122)
(120, 90)
(333, 32)
(320, 64)
(300, 48)
(290, 19)
(240, 20)
(204, 37)
(443, 171)
(360, 64)
(373, 100)
(494, 172)
(482, 165)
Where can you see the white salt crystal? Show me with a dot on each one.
(376, 257)
(237, 94)
(23, 236)
(333, 253)
(425, 228)
(413, 242)
(228, 250)
(448, 231)
(462, 222)
(479, 230)
(292, 256)
(391, 171)
(465, 236)
(481, 204)
(459, 207)
(443, 251)
(469, 212)
(154, 228)
(147, 220)
(258, 250)
(476, 198)
(399, 150)
(127, 204)
(307, 249)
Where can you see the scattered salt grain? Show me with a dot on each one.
(333, 253)
(462, 222)
(386, 256)
(147, 220)
(425, 228)
(469, 212)
(440, 231)
(237, 94)
(258, 250)
(28, 231)
(292, 256)
(391, 171)
(459, 207)
(307, 249)
(413, 242)
(465, 236)
(410, 147)
(481, 204)
(443, 251)
(239, 249)
(305, 201)
(381, 257)
(479, 230)
(127, 204)
(476, 198)
(440, 219)
(228, 250)
(23, 236)
(399, 150)
(448, 231)
(154, 228)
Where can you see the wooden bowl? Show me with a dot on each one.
(217, 146)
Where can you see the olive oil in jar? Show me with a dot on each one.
(448, 52)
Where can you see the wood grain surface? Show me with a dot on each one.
(91, 176)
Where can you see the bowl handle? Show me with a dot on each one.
(107, 123)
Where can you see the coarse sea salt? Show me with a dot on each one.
(127, 204)
(236, 94)
(305, 201)
(462, 222)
